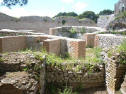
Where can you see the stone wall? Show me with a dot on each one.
(52, 44)
(108, 40)
(120, 6)
(77, 79)
(65, 31)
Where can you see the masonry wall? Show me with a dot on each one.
(52, 46)
(115, 72)
(108, 40)
(84, 78)
(90, 39)
(9, 44)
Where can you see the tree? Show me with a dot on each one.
(106, 12)
(73, 14)
(88, 14)
(10, 3)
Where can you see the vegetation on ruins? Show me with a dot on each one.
(1, 60)
(121, 15)
(63, 22)
(121, 49)
(106, 12)
(67, 91)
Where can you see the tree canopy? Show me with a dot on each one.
(10, 3)
(88, 14)
(106, 12)
(66, 14)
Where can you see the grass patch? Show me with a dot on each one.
(93, 55)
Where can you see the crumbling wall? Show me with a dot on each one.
(108, 40)
(115, 72)
(83, 78)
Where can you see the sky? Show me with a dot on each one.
(52, 7)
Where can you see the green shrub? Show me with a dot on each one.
(63, 22)
(73, 31)
(67, 91)
(122, 47)
(1, 60)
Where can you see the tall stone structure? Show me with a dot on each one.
(120, 6)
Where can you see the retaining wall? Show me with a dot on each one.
(84, 78)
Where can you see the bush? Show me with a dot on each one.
(73, 31)
(63, 22)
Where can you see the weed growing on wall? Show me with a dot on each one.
(121, 15)
(67, 91)
(122, 47)
(83, 30)
(73, 31)
(63, 22)
(1, 60)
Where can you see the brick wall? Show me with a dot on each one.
(90, 39)
(52, 46)
(76, 48)
(12, 43)
(115, 73)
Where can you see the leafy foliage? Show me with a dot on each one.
(88, 14)
(67, 91)
(10, 3)
(106, 12)
(122, 47)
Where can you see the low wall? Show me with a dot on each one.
(83, 78)
(12, 43)
(108, 40)
(66, 31)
